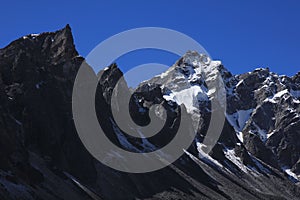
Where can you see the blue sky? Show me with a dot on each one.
(243, 34)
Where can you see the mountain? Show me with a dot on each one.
(41, 156)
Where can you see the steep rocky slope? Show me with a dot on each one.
(42, 157)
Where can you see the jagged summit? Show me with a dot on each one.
(194, 59)
(45, 44)
(256, 103)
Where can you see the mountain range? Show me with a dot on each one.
(257, 155)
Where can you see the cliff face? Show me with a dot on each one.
(42, 157)
(37, 74)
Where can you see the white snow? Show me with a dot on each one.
(263, 87)
(194, 76)
(270, 134)
(164, 74)
(211, 91)
(291, 174)
(238, 121)
(169, 97)
(189, 97)
(296, 101)
(189, 94)
(230, 155)
(33, 36)
(258, 69)
(239, 83)
(281, 93)
(205, 157)
(262, 133)
(243, 117)
(215, 63)
(240, 136)
(190, 155)
(271, 100)
(277, 96)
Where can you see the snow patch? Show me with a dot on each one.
(261, 133)
(270, 134)
(281, 93)
(240, 136)
(239, 119)
(230, 155)
(291, 174)
(239, 83)
(296, 101)
(33, 36)
(243, 117)
(277, 96)
(271, 100)
(205, 157)
(190, 97)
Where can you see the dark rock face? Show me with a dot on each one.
(37, 75)
(42, 157)
(270, 133)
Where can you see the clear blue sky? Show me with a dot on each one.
(243, 34)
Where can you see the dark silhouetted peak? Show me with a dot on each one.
(110, 77)
(54, 47)
(35, 55)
